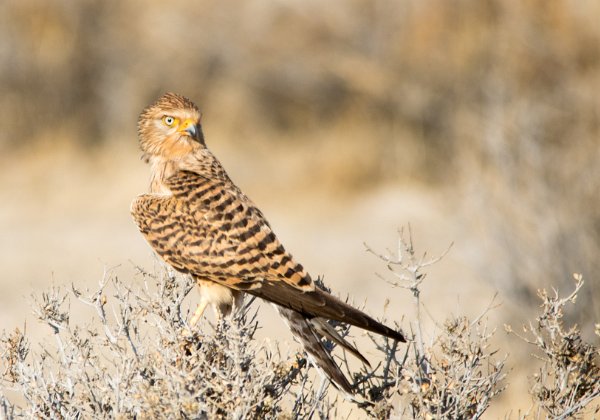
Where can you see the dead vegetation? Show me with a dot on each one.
(136, 356)
(568, 380)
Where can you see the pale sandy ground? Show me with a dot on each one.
(65, 218)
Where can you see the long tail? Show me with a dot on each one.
(304, 331)
(306, 314)
(322, 305)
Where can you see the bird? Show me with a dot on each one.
(201, 224)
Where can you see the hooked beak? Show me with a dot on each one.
(190, 128)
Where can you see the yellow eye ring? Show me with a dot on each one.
(168, 120)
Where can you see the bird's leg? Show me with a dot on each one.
(198, 312)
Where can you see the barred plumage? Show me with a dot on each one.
(201, 224)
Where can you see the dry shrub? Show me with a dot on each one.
(497, 99)
(455, 376)
(140, 358)
(568, 381)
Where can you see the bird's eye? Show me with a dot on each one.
(168, 120)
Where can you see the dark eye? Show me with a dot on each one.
(168, 120)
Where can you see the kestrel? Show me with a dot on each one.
(201, 224)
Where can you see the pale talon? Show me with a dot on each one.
(198, 313)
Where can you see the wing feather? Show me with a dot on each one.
(210, 229)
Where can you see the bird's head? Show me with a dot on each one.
(170, 128)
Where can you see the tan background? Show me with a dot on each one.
(476, 122)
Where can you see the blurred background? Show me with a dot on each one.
(477, 122)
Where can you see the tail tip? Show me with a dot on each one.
(397, 335)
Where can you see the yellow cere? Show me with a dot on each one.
(186, 124)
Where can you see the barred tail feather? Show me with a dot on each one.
(305, 332)
(326, 330)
